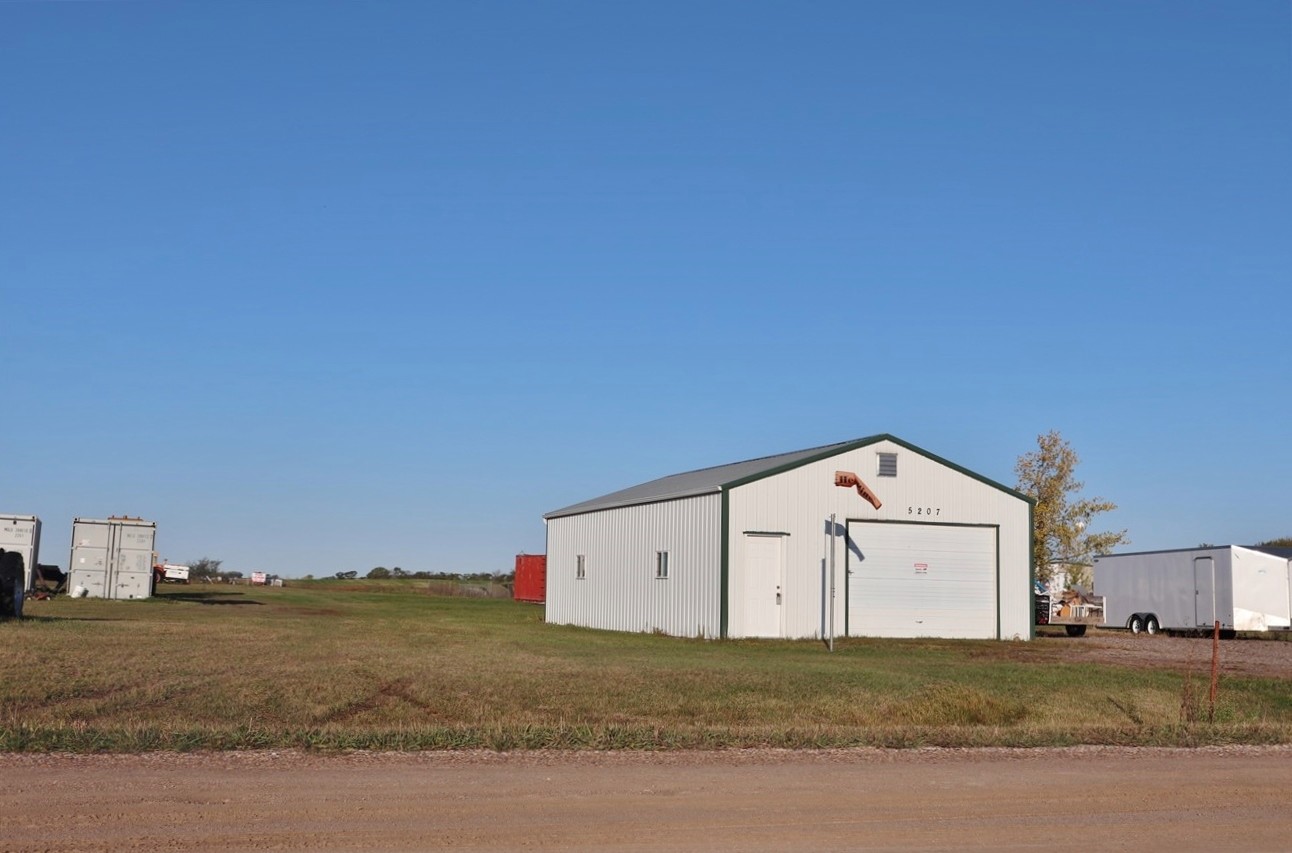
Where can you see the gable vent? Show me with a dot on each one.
(888, 464)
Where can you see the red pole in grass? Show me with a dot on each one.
(1215, 670)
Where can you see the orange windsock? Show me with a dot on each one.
(848, 480)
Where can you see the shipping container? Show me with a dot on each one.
(112, 557)
(531, 578)
(21, 533)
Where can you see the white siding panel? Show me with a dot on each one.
(620, 591)
(799, 502)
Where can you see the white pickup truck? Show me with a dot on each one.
(171, 573)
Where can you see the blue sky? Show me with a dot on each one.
(321, 286)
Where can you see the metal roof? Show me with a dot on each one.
(709, 480)
(1285, 553)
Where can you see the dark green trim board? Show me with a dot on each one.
(847, 579)
(998, 582)
(1031, 569)
(725, 592)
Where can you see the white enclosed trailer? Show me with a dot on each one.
(1242, 588)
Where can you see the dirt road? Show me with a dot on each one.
(1092, 798)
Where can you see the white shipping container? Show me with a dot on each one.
(21, 533)
(112, 558)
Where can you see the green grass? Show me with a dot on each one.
(382, 665)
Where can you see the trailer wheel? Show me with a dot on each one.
(1150, 624)
(1075, 630)
(1136, 623)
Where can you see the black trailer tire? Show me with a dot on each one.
(1150, 624)
(1136, 623)
(1075, 630)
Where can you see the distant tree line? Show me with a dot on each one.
(383, 573)
(207, 569)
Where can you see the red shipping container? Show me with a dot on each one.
(531, 578)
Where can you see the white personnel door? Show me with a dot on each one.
(922, 580)
(763, 583)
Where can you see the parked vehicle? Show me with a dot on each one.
(171, 573)
(1073, 608)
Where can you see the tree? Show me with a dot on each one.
(1063, 538)
(379, 573)
(204, 568)
(1281, 542)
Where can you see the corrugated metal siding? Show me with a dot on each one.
(620, 591)
(799, 502)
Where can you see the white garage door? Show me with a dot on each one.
(921, 580)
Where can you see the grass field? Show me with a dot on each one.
(383, 665)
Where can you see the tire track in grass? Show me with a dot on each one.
(387, 693)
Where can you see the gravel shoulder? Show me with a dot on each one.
(864, 799)
(1267, 657)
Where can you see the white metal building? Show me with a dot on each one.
(744, 550)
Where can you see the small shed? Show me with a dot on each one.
(921, 547)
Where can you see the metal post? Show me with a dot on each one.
(831, 582)
(1215, 671)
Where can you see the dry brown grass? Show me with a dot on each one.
(389, 667)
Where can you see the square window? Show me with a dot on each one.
(661, 565)
(888, 464)
(580, 567)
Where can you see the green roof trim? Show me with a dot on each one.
(720, 478)
(835, 450)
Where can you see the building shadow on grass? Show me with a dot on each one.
(27, 617)
(212, 597)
